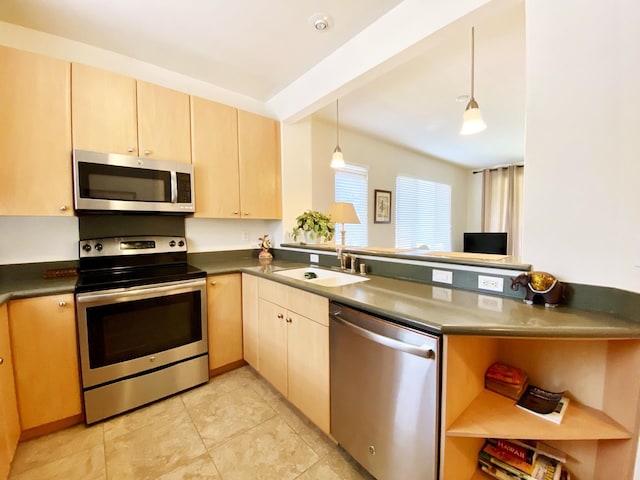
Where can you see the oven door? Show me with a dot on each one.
(127, 331)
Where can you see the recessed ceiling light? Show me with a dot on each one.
(321, 21)
(462, 98)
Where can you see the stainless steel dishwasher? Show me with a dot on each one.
(385, 394)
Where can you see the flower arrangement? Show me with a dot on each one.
(265, 244)
(314, 224)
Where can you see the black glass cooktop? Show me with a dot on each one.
(123, 277)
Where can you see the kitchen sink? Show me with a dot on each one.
(321, 277)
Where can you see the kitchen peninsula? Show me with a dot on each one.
(581, 351)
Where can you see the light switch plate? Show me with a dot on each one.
(442, 276)
(314, 258)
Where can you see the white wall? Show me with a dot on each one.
(582, 181)
(385, 162)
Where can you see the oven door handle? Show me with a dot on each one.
(418, 350)
(128, 294)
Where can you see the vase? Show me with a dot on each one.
(311, 239)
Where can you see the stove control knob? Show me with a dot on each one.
(181, 243)
(86, 247)
(172, 243)
(98, 247)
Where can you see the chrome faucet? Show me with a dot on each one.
(353, 260)
(343, 258)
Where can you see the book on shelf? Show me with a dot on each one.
(506, 380)
(539, 467)
(528, 450)
(545, 404)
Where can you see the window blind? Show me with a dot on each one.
(423, 214)
(352, 185)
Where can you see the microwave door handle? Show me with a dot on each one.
(174, 187)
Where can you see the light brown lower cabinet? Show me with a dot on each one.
(250, 320)
(224, 312)
(293, 347)
(9, 421)
(45, 356)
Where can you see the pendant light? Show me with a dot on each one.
(337, 160)
(472, 120)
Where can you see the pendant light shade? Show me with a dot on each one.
(472, 119)
(337, 160)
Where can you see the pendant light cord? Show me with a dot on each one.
(337, 125)
(472, 59)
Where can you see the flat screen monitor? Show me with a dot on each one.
(486, 242)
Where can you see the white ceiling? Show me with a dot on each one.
(264, 49)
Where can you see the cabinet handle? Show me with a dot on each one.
(235, 212)
(147, 152)
(289, 320)
(62, 303)
(213, 282)
(280, 316)
(129, 149)
(246, 214)
(1, 360)
(63, 208)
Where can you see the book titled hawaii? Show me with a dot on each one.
(545, 404)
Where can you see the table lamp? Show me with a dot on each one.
(343, 212)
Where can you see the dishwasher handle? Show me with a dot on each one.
(418, 350)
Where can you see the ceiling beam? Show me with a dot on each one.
(389, 41)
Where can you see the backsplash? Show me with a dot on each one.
(51, 239)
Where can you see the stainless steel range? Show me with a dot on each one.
(142, 322)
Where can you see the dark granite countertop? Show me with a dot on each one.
(427, 307)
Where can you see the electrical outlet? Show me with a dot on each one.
(439, 293)
(314, 258)
(495, 284)
(490, 303)
(245, 236)
(442, 276)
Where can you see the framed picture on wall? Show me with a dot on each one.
(382, 206)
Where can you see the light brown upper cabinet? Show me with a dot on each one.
(236, 156)
(259, 160)
(104, 111)
(164, 130)
(116, 114)
(35, 134)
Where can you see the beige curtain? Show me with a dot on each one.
(502, 204)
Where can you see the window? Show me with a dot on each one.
(423, 214)
(351, 185)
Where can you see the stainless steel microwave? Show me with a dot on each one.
(121, 183)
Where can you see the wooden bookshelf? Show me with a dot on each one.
(494, 415)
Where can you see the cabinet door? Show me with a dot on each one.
(272, 344)
(308, 362)
(9, 423)
(35, 134)
(250, 315)
(214, 143)
(224, 309)
(45, 355)
(103, 111)
(164, 130)
(259, 156)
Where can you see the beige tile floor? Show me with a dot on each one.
(237, 427)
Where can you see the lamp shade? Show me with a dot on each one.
(472, 120)
(343, 212)
(337, 160)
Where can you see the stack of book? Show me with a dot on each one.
(506, 380)
(522, 459)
